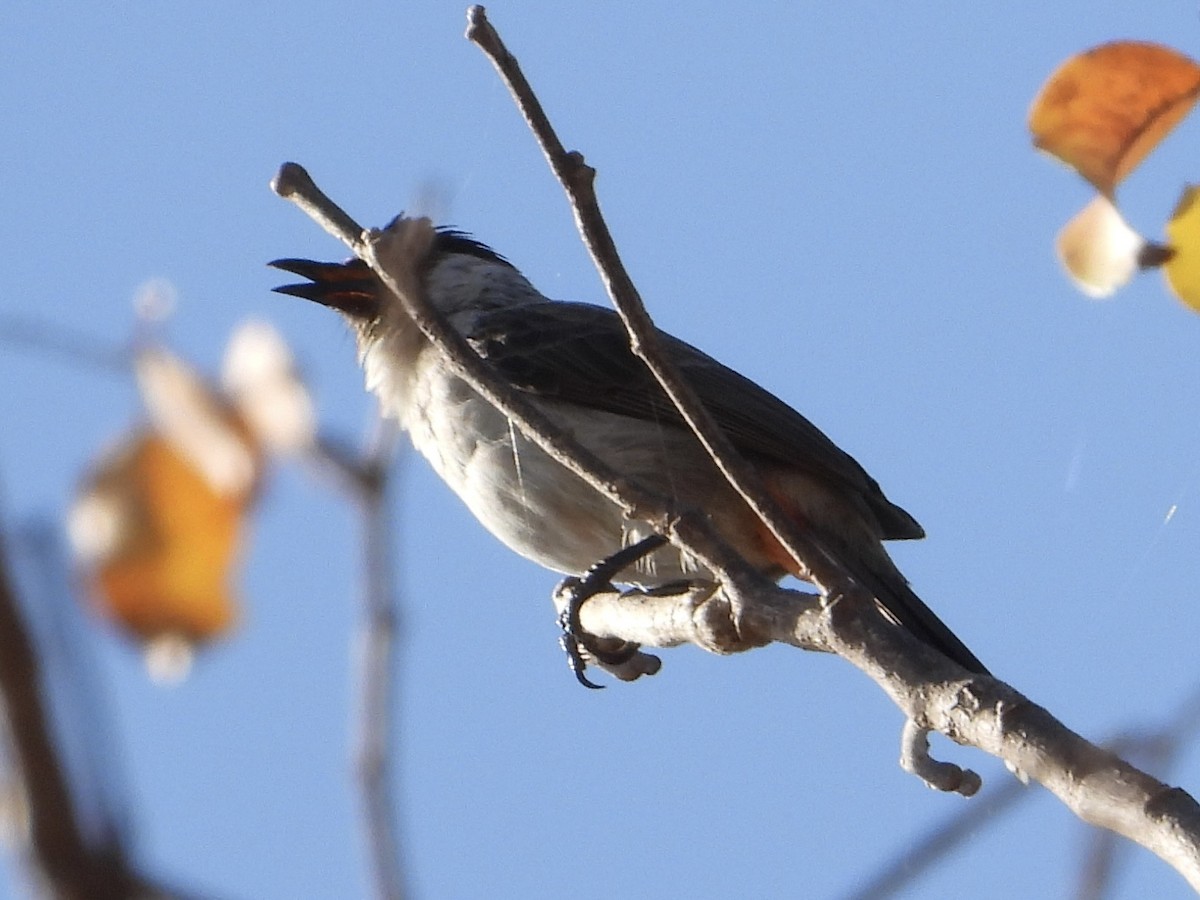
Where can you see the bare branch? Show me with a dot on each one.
(750, 611)
(819, 565)
(1155, 748)
(377, 673)
(1092, 782)
(923, 854)
(1074, 754)
(928, 687)
(578, 181)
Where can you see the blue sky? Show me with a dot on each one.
(841, 201)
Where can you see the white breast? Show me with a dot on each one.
(531, 503)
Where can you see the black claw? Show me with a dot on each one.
(575, 660)
(571, 639)
(574, 640)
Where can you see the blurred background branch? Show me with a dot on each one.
(67, 861)
(1153, 748)
(365, 478)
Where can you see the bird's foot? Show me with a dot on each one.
(580, 646)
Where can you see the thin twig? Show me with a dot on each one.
(812, 558)
(61, 340)
(367, 480)
(921, 855)
(578, 181)
(915, 758)
(378, 671)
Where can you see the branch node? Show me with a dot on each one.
(941, 776)
(479, 29)
(721, 626)
(291, 179)
(292, 182)
(577, 171)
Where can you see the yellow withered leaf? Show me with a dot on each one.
(1182, 270)
(1102, 111)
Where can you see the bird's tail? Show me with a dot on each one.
(901, 604)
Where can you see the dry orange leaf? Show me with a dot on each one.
(160, 521)
(198, 421)
(162, 541)
(1102, 111)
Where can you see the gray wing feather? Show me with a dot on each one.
(580, 353)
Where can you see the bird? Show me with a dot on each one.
(573, 362)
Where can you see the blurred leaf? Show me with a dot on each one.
(259, 375)
(162, 542)
(160, 520)
(198, 421)
(1099, 249)
(1102, 111)
(1182, 269)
